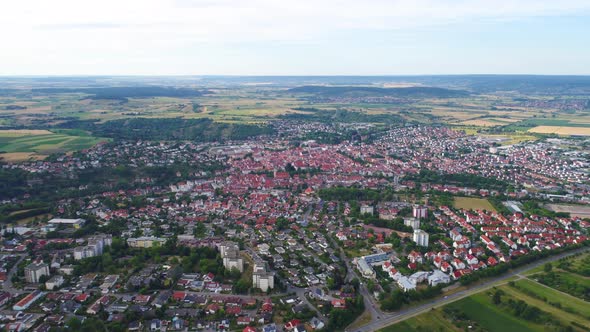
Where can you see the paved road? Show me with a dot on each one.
(301, 294)
(391, 318)
(7, 285)
(370, 306)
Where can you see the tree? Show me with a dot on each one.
(282, 223)
(497, 298)
(74, 324)
(234, 273)
(548, 267)
(242, 286)
(43, 279)
(330, 283)
(200, 230)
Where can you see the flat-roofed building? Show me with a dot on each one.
(145, 242)
(34, 271)
(230, 253)
(262, 278)
(76, 223)
(421, 238)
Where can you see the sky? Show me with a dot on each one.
(294, 37)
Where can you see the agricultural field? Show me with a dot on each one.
(575, 311)
(555, 298)
(488, 122)
(433, 321)
(18, 145)
(509, 139)
(245, 103)
(581, 211)
(516, 308)
(566, 282)
(561, 130)
(578, 265)
(479, 309)
(471, 203)
(24, 217)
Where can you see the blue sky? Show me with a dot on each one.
(319, 37)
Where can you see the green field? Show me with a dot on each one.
(563, 281)
(37, 145)
(471, 203)
(575, 278)
(478, 312)
(530, 272)
(567, 302)
(434, 320)
(479, 308)
(578, 265)
(558, 312)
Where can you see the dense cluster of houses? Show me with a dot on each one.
(476, 240)
(546, 165)
(263, 197)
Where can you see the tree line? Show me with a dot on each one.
(199, 130)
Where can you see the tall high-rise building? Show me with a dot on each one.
(420, 211)
(34, 271)
(230, 253)
(420, 237)
(261, 277)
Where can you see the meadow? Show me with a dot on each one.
(472, 203)
(568, 303)
(433, 321)
(479, 312)
(18, 145)
(479, 309)
(552, 307)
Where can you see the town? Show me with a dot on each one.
(280, 233)
(295, 166)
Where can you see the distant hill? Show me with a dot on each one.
(126, 92)
(529, 84)
(361, 91)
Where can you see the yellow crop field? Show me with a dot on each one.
(482, 123)
(561, 130)
(23, 132)
(13, 157)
